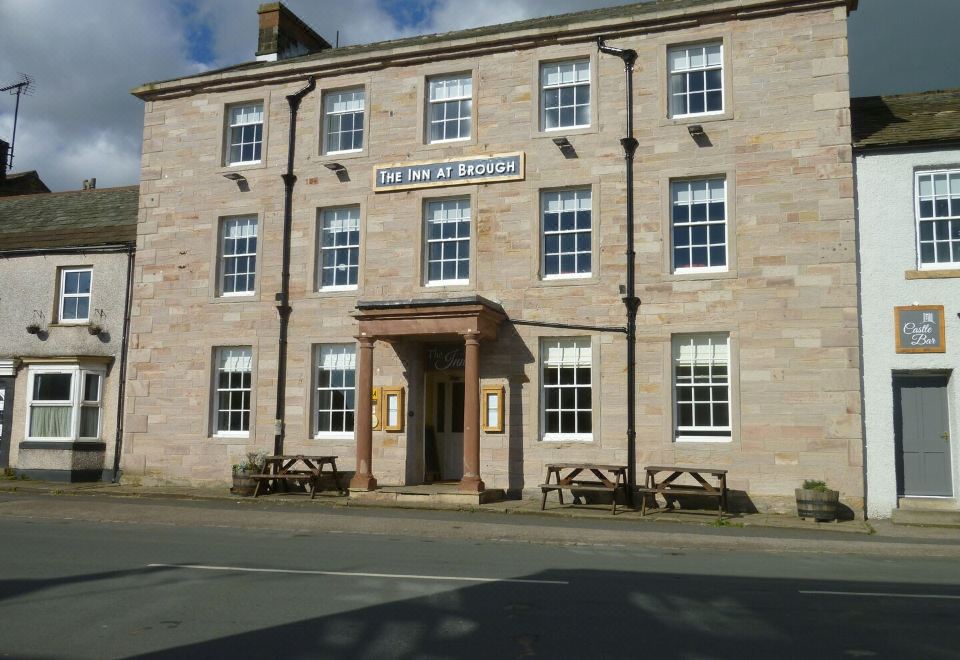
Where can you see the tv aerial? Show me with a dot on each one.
(23, 87)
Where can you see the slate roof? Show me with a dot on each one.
(906, 119)
(82, 218)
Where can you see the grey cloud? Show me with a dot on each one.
(86, 56)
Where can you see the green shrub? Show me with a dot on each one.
(815, 484)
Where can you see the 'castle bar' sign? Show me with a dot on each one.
(919, 329)
(459, 171)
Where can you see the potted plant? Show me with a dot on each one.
(243, 483)
(817, 501)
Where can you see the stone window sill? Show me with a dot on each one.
(931, 274)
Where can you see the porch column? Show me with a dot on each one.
(471, 482)
(363, 478)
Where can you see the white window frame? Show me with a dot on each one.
(78, 376)
(571, 353)
(559, 203)
(329, 99)
(703, 355)
(711, 62)
(218, 355)
(342, 359)
(246, 257)
(708, 199)
(436, 84)
(950, 196)
(443, 242)
(238, 126)
(64, 295)
(341, 215)
(576, 81)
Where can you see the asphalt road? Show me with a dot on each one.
(87, 589)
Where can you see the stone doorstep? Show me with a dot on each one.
(927, 504)
(926, 518)
(425, 497)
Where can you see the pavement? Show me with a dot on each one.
(529, 507)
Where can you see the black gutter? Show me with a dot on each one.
(73, 249)
(283, 298)
(122, 387)
(630, 300)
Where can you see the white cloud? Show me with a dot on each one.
(82, 122)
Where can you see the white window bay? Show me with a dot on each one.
(567, 221)
(696, 79)
(447, 230)
(344, 120)
(238, 252)
(938, 219)
(565, 95)
(339, 248)
(701, 384)
(245, 133)
(566, 388)
(450, 107)
(335, 383)
(75, 287)
(232, 390)
(65, 402)
(698, 218)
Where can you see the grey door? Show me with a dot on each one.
(6, 416)
(923, 435)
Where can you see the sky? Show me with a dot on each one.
(80, 120)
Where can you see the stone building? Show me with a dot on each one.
(65, 264)
(908, 188)
(456, 213)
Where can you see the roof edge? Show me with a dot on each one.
(642, 17)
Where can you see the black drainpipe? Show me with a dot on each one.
(630, 300)
(283, 298)
(122, 386)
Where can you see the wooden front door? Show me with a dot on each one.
(445, 412)
(922, 428)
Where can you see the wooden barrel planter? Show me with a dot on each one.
(243, 484)
(819, 505)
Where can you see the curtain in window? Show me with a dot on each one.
(50, 421)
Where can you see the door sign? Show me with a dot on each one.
(919, 329)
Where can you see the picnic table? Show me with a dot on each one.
(608, 478)
(279, 470)
(668, 486)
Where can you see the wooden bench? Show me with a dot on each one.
(297, 467)
(668, 488)
(602, 483)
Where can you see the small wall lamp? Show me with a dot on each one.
(240, 180)
(339, 170)
(695, 130)
(565, 147)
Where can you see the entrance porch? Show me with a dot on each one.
(458, 322)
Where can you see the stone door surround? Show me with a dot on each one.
(472, 319)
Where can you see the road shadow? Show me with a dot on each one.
(604, 614)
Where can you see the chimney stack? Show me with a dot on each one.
(284, 35)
